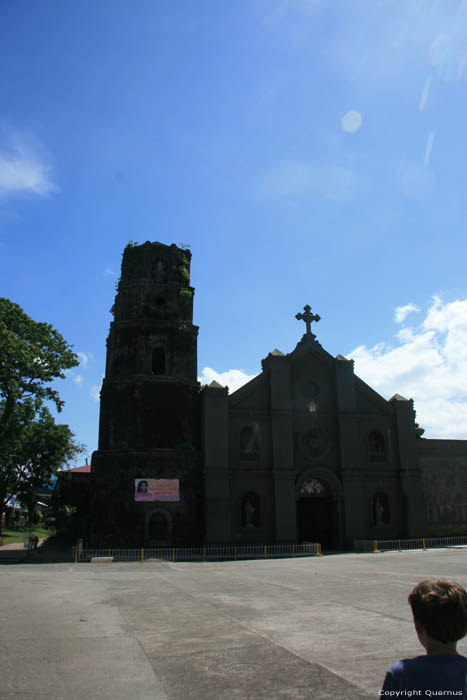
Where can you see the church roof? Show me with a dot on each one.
(85, 469)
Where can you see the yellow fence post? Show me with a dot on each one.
(265, 552)
(320, 553)
(424, 545)
(375, 547)
(108, 552)
(236, 552)
(204, 553)
(447, 543)
(293, 550)
(173, 554)
(76, 554)
(400, 548)
(142, 555)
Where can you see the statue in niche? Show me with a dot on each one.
(250, 511)
(380, 509)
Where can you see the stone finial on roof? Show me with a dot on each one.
(398, 397)
(277, 353)
(215, 385)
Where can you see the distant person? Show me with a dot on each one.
(439, 608)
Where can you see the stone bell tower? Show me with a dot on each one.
(149, 405)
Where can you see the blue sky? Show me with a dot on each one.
(308, 152)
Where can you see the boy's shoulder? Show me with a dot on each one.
(428, 661)
(428, 671)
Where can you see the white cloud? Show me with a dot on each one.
(94, 392)
(78, 379)
(402, 312)
(23, 169)
(396, 38)
(109, 273)
(386, 42)
(233, 378)
(84, 358)
(277, 14)
(299, 8)
(429, 364)
(301, 180)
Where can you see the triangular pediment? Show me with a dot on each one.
(312, 374)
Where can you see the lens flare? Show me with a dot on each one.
(429, 145)
(352, 121)
(447, 57)
(425, 93)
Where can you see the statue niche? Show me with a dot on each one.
(250, 511)
(381, 514)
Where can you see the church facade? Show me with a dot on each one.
(304, 452)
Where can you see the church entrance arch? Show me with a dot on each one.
(319, 508)
(158, 528)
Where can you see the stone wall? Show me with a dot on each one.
(444, 477)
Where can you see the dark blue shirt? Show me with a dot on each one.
(430, 672)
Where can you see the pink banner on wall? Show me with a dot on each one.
(157, 490)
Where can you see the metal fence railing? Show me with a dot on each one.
(398, 545)
(221, 553)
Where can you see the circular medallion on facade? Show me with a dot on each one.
(312, 487)
(313, 443)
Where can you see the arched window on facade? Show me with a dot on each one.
(158, 361)
(160, 271)
(250, 515)
(249, 443)
(376, 448)
(381, 513)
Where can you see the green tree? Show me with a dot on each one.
(32, 355)
(41, 449)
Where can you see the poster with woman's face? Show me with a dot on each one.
(157, 490)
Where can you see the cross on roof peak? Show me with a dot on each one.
(308, 317)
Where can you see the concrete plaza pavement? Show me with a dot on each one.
(321, 628)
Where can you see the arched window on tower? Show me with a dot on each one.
(250, 515)
(249, 443)
(160, 271)
(158, 361)
(376, 447)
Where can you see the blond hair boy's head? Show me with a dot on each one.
(440, 606)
